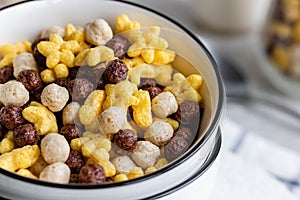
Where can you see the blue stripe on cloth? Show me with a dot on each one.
(239, 141)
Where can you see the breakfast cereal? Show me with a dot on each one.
(95, 104)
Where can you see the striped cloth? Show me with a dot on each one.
(255, 168)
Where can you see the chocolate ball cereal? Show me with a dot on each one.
(187, 112)
(125, 139)
(91, 174)
(115, 72)
(70, 131)
(63, 82)
(40, 59)
(25, 135)
(75, 161)
(119, 44)
(80, 88)
(175, 148)
(74, 178)
(2, 131)
(31, 80)
(11, 116)
(185, 133)
(6, 74)
(151, 86)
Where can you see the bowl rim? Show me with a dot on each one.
(210, 130)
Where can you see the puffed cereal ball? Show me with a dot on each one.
(92, 174)
(54, 97)
(98, 32)
(40, 59)
(6, 74)
(119, 44)
(112, 120)
(185, 133)
(11, 116)
(13, 92)
(116, 71)
(188, 112)
(164, 104)
(57, 172)
(70, 113)
(24, 61)
(25, 135)
(75, 161)
(31, 80)
(70, 131)
(55, 148)
(175, 148)
(151, 86)
(52, 29)
(123, 164)
(159, 133)
(80, 88)
(145, 154)
(125, 139)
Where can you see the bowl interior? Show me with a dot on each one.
(33, 16)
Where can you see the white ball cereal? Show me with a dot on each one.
(57, 172)
(13, 92)
(24, 61)
(98, 32)
(159, 133)
(112, 120)
(55, 148)
(145, 154)
(164, 104)
(52, 29)
(54, 97)
(70, 113)
(123, 164)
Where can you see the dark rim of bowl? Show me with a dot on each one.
(211, 129)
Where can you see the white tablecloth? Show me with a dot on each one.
(253, 168)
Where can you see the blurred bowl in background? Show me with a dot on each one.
(278, 47)
(280, 81)
(231, 16)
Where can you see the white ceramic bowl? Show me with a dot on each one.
(192, 172)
